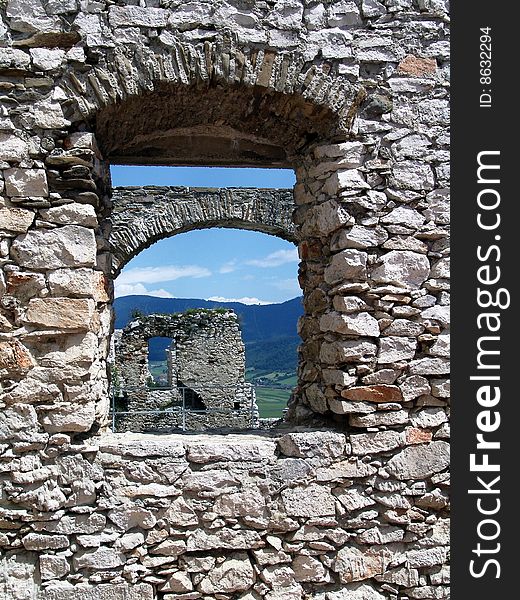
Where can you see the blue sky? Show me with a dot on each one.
(219, 264)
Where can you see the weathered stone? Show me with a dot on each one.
(355, 565)
(404, 327)
(68, 246)
(393, 349)
(239, 450)
(41, 541)
(308, 569)
(338, 352)
(360, 237)
(178, 582)
(25, 182)
(420, 462)
(132, 516)
(16, 220)
(247, 502)
(348, 264)
(354, 499)
(47, 59)
(180, 514)
(402, 268)
(370, 443)
(349, 304)
(363, 591)
(235, 574)
(61, 313)
(17, 423)
(79, 214)
(69, 417)
(15, 358)
(12, 148)
(374, 393)
(430, 366)
(379, 418)
(313, 444)
(358, 324)
(310, 501)
(102, 558)
(53, 567)
(224, 538)
(419, 67)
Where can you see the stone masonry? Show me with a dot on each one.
(349, 500)
(142, 216)
(206, 372)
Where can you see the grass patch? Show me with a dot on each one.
(271, 401)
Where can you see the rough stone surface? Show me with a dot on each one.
(354, 96)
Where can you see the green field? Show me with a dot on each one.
(271, 401)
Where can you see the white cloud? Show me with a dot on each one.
(228, 267)
(275, 259)
(157, 274)
(287, 285)
(244, 300)
(138, 289)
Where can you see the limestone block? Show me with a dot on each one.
(345, 265)
(351, 350)
(354, 498)
(78, 282)
(344, 14)
(235, 450)
(404, 327)
(68, 246)
(309, 569)
(15, 358)
(248, 502)
(136, 16)
(179, 583)
(363, 591)
(69, 417)
(224, 538)
(441, 347)
(380, 418)
(345, 469)
(17, 422)
(53, 566)
(13, 58)
(325, 218)
(372, 443)
(393, 349)
(438, 211)
(427, 557)
(404, 215)
(360, 237)
(16, 220)
(46, 59)
(73, 213)
(349, 304)
(12, 148)
(42, 541)
(350, 151)
(49, 115)
(323, 444)
(169, 548)
(104, 591)
(374, 393)
(358, 324)
(430, 366)
(353, 564)
(286, 15)
(235, 574)
(311, 501)
(413, 175)
(29, 16)
(441, 314)
(350, 179)
(180, 514)
(102, 558)
(26, 182)
(60, 313)
(402, 268)
(420, 462)
(338, 377)
(132, 516)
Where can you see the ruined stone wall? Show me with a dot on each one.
(208, 373)
(354, 96)
(143, 215)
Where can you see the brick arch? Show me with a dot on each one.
(142, 216)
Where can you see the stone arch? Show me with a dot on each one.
(142, 216)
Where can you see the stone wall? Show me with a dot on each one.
(206, 372)
(143, 215)
(354, 96)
